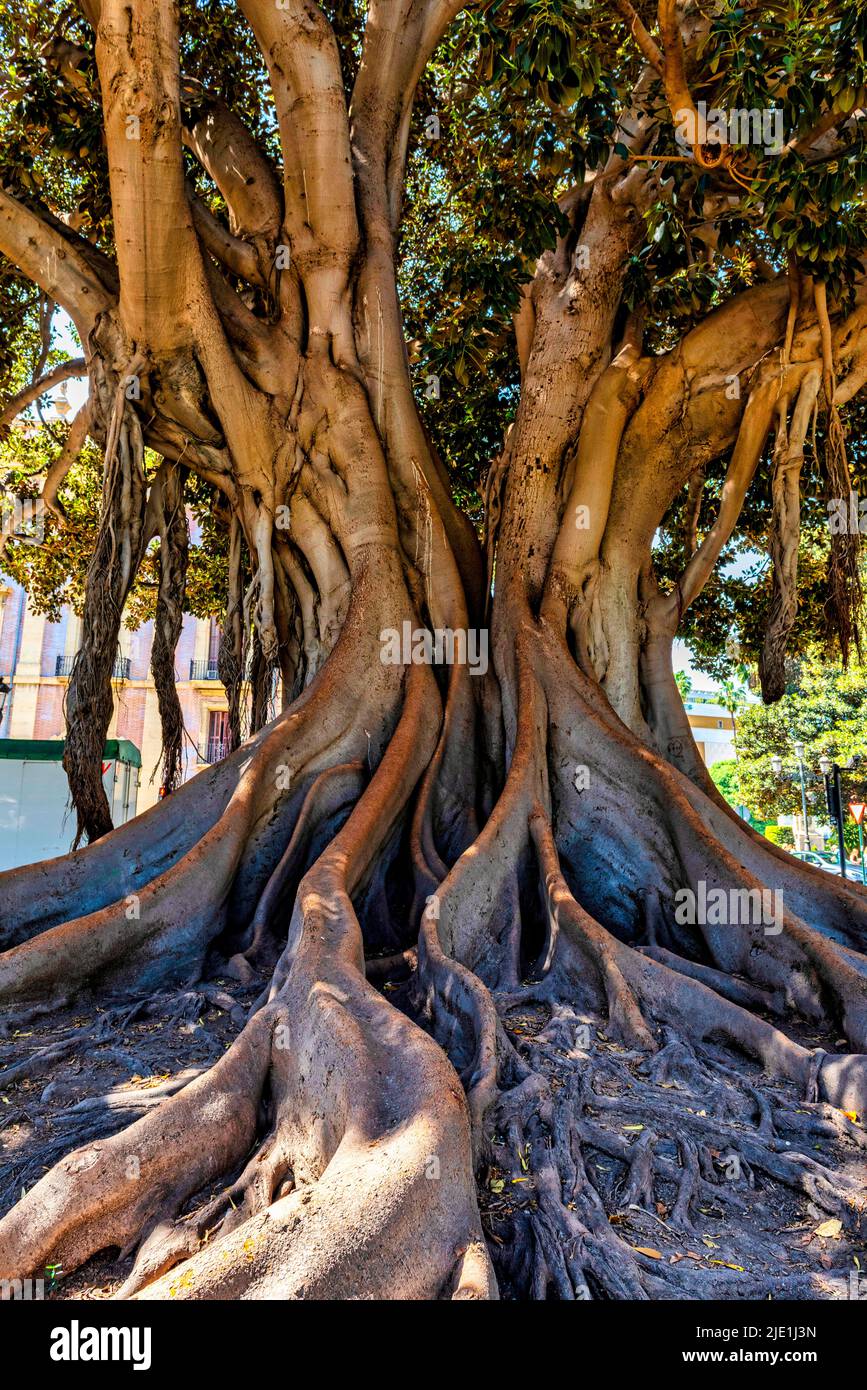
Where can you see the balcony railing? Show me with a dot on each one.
(120, 671)
(204, 671)
(214, 750)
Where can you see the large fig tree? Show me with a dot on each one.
(504, 927)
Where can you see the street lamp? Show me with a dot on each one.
(5, 688)
(777, 766)
(834, 798)
(799, 754)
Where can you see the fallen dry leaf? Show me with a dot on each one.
(831, 1230)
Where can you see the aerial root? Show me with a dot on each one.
(720, 1147)
(331, 792)
(575, 1233)
(266, 1178)
(362, 1185)
(730, 987)
(370, 1118)
(161, 932)
(685, 1002)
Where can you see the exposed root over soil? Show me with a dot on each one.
(360, 1128)
(647, 1114)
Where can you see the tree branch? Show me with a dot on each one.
(47, 499)
(215, 135)
(677, 92)
(137, 58)
(300, 50)
(45, 256)
(399, 38)
(228, 153)
(236, 255)
(827, 122)
(648, 45)
(75, 367)
(753, 432)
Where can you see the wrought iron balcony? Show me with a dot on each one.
(214, 751)
(120, 671)
(204, 671)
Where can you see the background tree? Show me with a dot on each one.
(826, 708)
(683, 682)
(264, 241)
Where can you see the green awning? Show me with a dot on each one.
(50, 750)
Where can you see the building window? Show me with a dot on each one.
(719, 724)
(218, 735)
(214, 643)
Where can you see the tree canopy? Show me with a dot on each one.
(519, 104)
